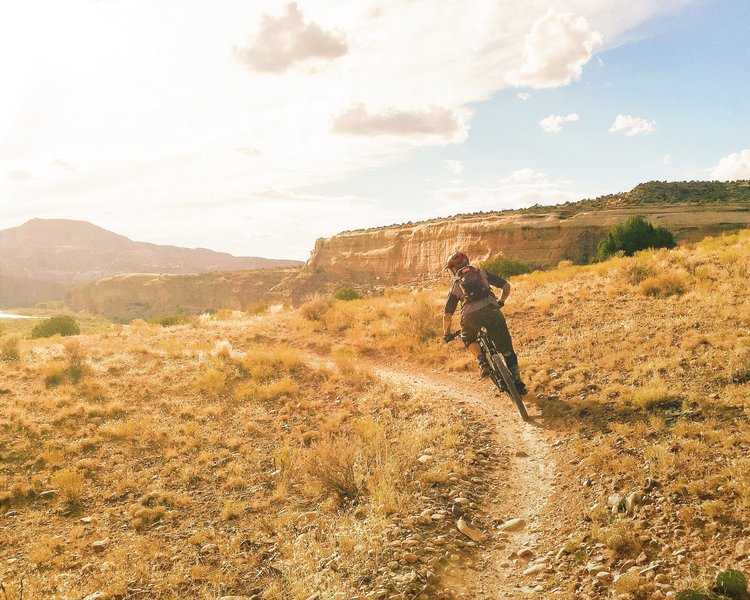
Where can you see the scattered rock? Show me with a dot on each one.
(525, 553)
(100, 545)
(424, 459)
(512, 525)
(742, 548)
(97, 596)
(534, 569)
(473, 534)
(48, 494)
(594, 568)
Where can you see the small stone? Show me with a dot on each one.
(512, 525)
(595, 569)
(740, 550)
(97, 596)
(603, 576)
(473, 534)
(410, 557)
(534, 569)
(525, 553)
(100, 545)
(424, 459)
(87, 520)
(48, 494)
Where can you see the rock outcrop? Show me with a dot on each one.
(407, 253)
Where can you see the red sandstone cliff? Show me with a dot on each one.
(405, 253)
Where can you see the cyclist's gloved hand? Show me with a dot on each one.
(447, 337)
(500, 303)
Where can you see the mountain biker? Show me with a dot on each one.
(480, 308)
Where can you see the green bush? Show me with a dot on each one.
(731, 583)
(633, 235)
(62, 325)
(504, 266)
(347, 293)
(169, 320)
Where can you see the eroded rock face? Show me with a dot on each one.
(407, 253)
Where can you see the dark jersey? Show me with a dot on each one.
(457, 295)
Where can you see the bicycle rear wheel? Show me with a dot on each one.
(510, 385)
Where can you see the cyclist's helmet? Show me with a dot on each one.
(456, 261)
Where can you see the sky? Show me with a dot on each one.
(255, 127)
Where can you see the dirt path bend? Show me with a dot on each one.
(521, 488)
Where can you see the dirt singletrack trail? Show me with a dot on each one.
(520, 486)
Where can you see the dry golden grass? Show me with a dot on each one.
(642, 363)
(195, 450)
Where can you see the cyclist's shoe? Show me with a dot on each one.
(484, 367)
(520, 385)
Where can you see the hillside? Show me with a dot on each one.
(333, 451)
(415, 252)
(43, 258)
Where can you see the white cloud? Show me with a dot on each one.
(151, 109)
(555, 51)
(553, 123)
(433, 121)
(733, 167)
(524, 96)
(454, 165)
(18, 175)
(522, 188)
(284, 41)
(632, 125)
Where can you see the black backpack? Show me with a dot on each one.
(473, 284)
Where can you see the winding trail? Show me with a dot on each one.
(521, 487)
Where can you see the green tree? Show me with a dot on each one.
(633, 235)
(347, 293)
(505, 266)
(64, 325)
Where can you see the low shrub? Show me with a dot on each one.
(315, 308)
(70, 484)
(61, 325)
(169, 320)
(669, 284)
(731, 583)
(633, 235)
(347, 293)
(10, 349)
(504, 266)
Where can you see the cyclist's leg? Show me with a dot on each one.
(469, 333)
(497, 329)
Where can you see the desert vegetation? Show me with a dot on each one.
(633, 235)
(203, 460)
(640, 365)
(262, 454)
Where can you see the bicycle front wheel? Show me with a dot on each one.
(510, 385)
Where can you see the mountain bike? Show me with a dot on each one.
(499, 372)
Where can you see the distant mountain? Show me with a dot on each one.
(43, 258)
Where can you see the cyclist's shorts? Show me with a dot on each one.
(489, 317)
